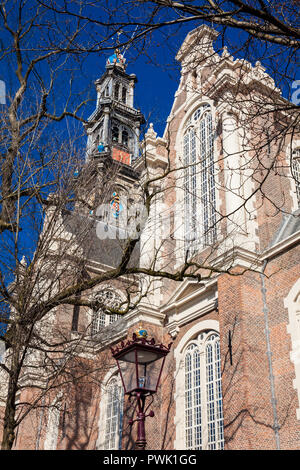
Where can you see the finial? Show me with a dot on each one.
(151, 132)
(23, 261)
(225, 52)
(260, 66)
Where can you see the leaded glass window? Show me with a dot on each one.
(114, 415)
(199, 180)
(203, 394)
(208, 194)
(190, 185)
(193, 422)
(109, 299)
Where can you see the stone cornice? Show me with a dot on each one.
(223, 84)
(281, 246)
(238, 256)
(92, 345)
(145, 312)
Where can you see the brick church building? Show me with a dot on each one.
(229, 198)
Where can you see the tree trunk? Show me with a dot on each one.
(9, 418)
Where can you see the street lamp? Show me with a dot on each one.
(140, 362)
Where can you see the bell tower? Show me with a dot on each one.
(114, 127)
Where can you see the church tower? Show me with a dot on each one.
(109, 183)
(114, 127)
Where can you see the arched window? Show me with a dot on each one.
(117, 90)
(199, 180)
(125, 138)
(115, 134)
(296, 171)
(124, 94)
(203, 394)
(113, 415)
(109, 299)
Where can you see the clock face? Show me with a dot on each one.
(116, 205)
(121, 156)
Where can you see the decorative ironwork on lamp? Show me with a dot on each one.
(140, 362)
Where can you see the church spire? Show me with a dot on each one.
(114, 126)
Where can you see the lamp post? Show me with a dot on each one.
(140, 362)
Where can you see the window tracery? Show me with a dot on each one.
(109, 299)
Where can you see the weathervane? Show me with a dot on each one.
(118, 57)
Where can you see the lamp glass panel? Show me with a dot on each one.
(143, 356)
(128, 372)
(149, 374)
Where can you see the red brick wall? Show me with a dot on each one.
(248, 411)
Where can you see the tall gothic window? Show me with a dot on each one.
(199, 180)
(203, 394)
(113, 415)
(296, 171)
(109, 299)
